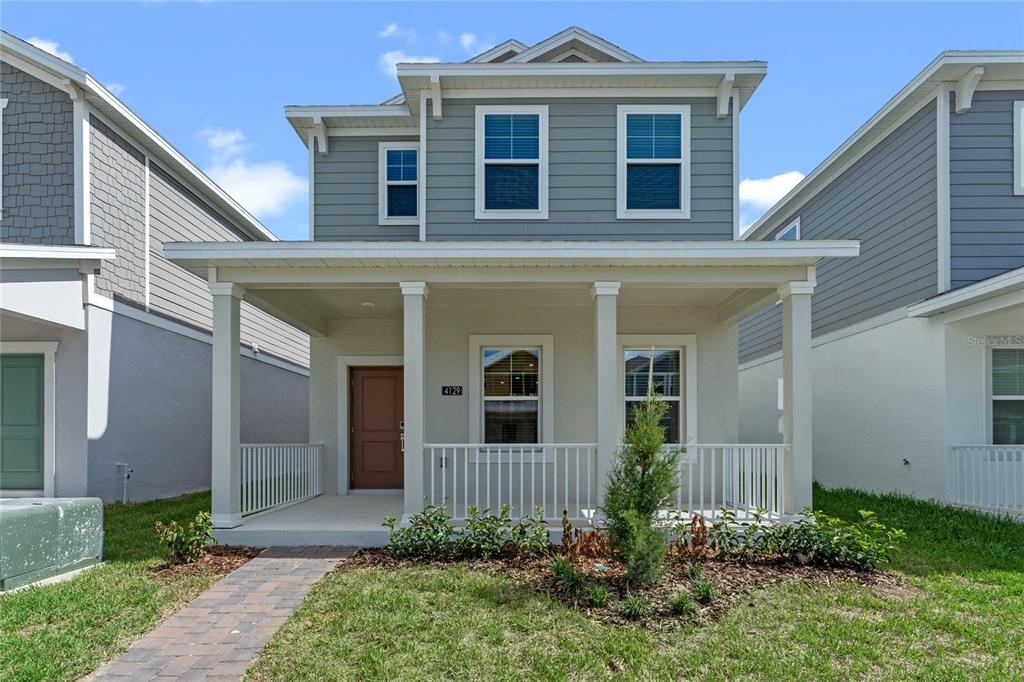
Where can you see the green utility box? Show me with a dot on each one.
(42, 537)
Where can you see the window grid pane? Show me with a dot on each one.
(401, 201)
(511, 421)
(1007, 371)
(512, 136)
(666, 373)
(650, 186)
(511, 373)
(654, 136)
(401, 165)
(1008, 422)
(511, 187)
(670, 421)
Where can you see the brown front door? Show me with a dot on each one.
(375, 452)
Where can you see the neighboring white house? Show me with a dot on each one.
(105, 346)
(495, 257)
(919, 342)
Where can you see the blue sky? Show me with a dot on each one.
(212, 77)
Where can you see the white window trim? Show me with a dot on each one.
(687, 345)
(683, 212)
(795, 225)
(48, 349)
(541, 213)
(546, 343)
(3, 105)
(382, 183)
(1018, 147)
(989, 436)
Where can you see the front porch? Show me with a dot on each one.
(480, 376)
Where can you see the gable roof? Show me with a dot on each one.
(948, 67)
(563, 40)
(65, 75)
(507, 49)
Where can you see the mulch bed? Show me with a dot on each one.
(218, 560)
(734, 581)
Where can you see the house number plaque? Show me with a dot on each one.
(451, 390)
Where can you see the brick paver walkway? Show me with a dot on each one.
(218, 635)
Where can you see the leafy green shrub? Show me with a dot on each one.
(829, 541)
(635, 607)
(186, 543)
(596, 594)
(485, 535)
(703, 590)
(530, 535)
(694, 571)
(572, 581)
(642, 481)
(681, 604)
(429, 534)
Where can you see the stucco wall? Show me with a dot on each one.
(448, 327)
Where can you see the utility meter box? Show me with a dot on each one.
(43, 537)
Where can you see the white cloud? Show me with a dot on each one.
(115, 88)
(264, 188)
(444, 38)
(472, 44)
(52, 47)
(393, 30)
(389, 60)
(759, 194)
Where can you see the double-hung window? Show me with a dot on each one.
(662, 369)
(1008, 396)
(398, 170)
(511, 162)
(511, 395)
(653, 169)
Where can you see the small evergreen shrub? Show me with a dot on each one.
(596, 594)
(682, 604)
(635, 607)
(485, 535)
(186, 543)
(642, 481)
(530, 535)
(430, 534)
(703, 590)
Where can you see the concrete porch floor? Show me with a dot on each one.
(354, 520)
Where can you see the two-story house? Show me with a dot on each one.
(919, 342)
(501, 259)
(105, 346)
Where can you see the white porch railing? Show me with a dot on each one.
(279, 474)
(550, 476)
(989, 477)
(739, 477)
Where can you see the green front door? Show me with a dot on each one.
(21, 422)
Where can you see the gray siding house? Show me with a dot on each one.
(919, 342)
(496, 258)
(105, 345)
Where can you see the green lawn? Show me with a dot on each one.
(961, 616)
(65, 630)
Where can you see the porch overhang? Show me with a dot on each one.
(987, 296)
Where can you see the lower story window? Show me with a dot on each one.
(662, 370)
(1008, 396)
(511, 395)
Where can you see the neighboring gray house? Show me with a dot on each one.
(105, 346)
(919, 342)
(495, 256)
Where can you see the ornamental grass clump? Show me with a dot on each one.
(642, 481)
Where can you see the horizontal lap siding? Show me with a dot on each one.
(986, 218)
(887, 201)
(345, 193)
(176, 214)
(582, 169)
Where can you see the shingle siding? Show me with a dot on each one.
(117, 190)
(38, 161)
(177, 214)
(986, 219)
(887, 201)
(345, 193)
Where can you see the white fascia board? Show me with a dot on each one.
(757, 68)
(1005, 283)
(498, 50)
(627, 253)
(921, 87)
(346, 110)
(581, 35)
(46, 252)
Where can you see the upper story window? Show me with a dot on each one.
(397, 187)
(511, 162)
(790, 233)
(1008, 396)
(653, 170)
(1018, 147)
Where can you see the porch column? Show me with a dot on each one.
(414, 296)
(606, 390)
(225, 451)
(796, 394)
